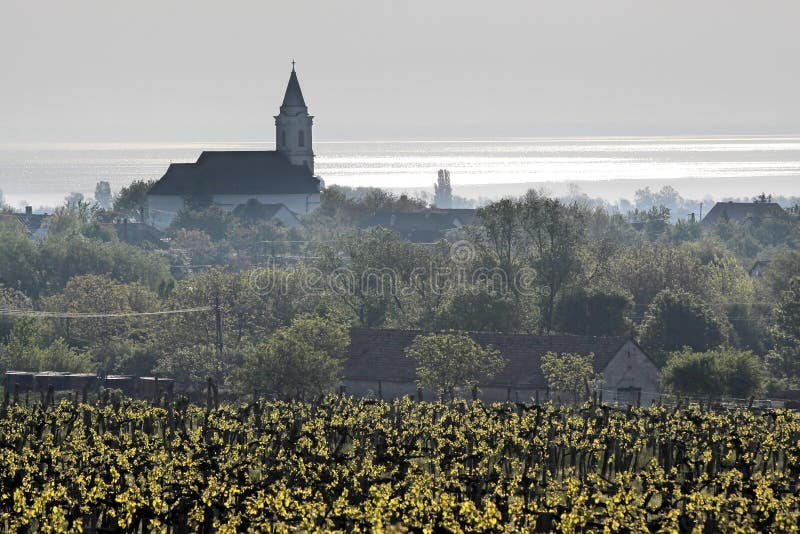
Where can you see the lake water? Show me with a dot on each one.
(42, 175)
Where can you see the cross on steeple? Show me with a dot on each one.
(293, 65)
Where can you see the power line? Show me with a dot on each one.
(75, 315)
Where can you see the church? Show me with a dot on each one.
(282, 178)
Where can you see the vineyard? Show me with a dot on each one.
(346, 465)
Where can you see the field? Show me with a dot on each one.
(346, 465)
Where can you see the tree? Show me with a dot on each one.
(195, 247)
(65, 220)
(251, 211)
(647, 268)
(556, 232)
(381, 263)
(11, 299)
(301, 361)
(593, 312)
(192, 366)
(60, 258)
(18, 260)
(100, 294)
(479, 309)
(74, 199)
(132, 200)
(570, 373)
(784, 264)
(683, 231)
(785, 358)
(500, 233)
(213, 221)
(653, 221)
(714, 373)
(103, 196)
(451, 363)
(26, 351)
(677, 319)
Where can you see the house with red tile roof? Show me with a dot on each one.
(378, 366)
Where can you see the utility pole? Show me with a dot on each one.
(218, 314)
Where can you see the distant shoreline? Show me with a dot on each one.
(699, 167)
(715, 189)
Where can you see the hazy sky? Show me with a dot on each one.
(164, 70)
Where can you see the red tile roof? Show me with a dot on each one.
(378, 354)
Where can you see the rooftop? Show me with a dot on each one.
(378, 354)
(237, 172)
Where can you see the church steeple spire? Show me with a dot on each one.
(294, 95)
(293, 125)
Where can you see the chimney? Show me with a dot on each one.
(28, 210)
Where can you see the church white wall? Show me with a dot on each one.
(162, 209)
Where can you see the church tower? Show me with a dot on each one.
(293, 126)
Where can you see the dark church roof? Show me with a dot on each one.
(378, 354)
(237, 172)
(293, 96)
(742, 212)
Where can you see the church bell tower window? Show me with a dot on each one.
(301, 138)
(283, 138)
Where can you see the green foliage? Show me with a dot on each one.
(785, 358)
(479, 309)
(18, 259)
(570, 373)
(26, 351)
(556, 232)
(131, 200)
(213, 221)
(648, 268)
(654, 221)
(193, 248)
(678, 319)
(538, 233)
(784, 264)
(370, 284)
(594, 312)
(99, 231)
(191, 367)
(714, 373)
(62, 258)
(683, 231)
(66, 220)
(300, 361)
(97, 294)
(452, 363)
(342, 465)
(251, 211)
(11, 299)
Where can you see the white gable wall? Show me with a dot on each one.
(628, 371)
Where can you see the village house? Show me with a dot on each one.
(377, 366)
(31, 222)
(424, 226)
(743, 212)
(227, 179)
